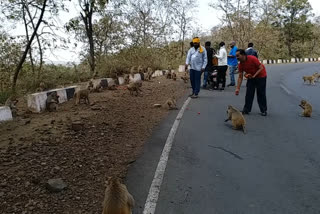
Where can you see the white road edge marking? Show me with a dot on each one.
(285, 89)
(154, 191)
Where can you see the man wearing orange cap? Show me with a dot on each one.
(197, 59)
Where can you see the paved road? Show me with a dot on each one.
(274, 168)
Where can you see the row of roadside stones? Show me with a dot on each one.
(37, 102)
(293, 60)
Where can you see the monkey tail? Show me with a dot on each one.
(244, 129)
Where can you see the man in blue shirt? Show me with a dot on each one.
(197, 59)
(232, 63)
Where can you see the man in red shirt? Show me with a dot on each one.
(256, 74)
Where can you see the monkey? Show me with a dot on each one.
(135, 86)
(112, 88)
(168, 75)
(41, 87)
(126, 79)
(52, 101)
(171, 103)
(316, 76)
(307, 108)
(117, 199)
(96, 88)
(133, 70)
(309, 78)
(149, 74)
(185, 78)
(174, 76)
(11, 102)
(237, 119)
(90, 85)
(81, 94)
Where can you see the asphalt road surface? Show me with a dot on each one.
(212, 169)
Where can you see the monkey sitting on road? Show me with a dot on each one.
(52, 102)
(307, 108)
(316, 76)
(117, 199)
(11, 103)
(185, 78)
(82, 94)
(174, 76)
(309, 78)
(135, 86)
(237, 119)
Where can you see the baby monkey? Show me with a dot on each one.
(117, 199)
(171, 103)
(52, 101)
(307, 108)
(237, 119)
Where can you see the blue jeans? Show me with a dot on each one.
(205, 78)
(231, 73)
(195, 79)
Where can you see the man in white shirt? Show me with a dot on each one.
(197, 59)
(222, 65)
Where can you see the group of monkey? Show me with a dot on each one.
(312, 79)
(238, 121)
(52, 100)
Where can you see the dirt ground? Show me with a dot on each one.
(107, 136)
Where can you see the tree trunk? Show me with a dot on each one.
(87, 19)
(23, 58)
(27, 37)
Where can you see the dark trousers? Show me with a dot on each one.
(222, 70)
(253, 84)
(195, 79)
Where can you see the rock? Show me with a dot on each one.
(77, 126)
(1, 194)
(157, 105)
(53, 121)
(56, 185)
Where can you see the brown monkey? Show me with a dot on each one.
(11, 102)
(174, 76)
(42, 87)
(126, 79)
(135, 86)
(112, 88)
(171, 103)
(149, 74)
(237, 119)
(168, 75)
(117, 199)
(307, 108)
(316, 76)
(133, 70)
(309, 78)
(81, 94)
(185, 78)
(52, 101)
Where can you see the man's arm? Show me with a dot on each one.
(259, 70)
(233, 53)
(205, 59)
(188, 59)
(240, 78)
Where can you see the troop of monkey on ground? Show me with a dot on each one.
(82, 94)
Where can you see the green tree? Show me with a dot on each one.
(292, 19)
